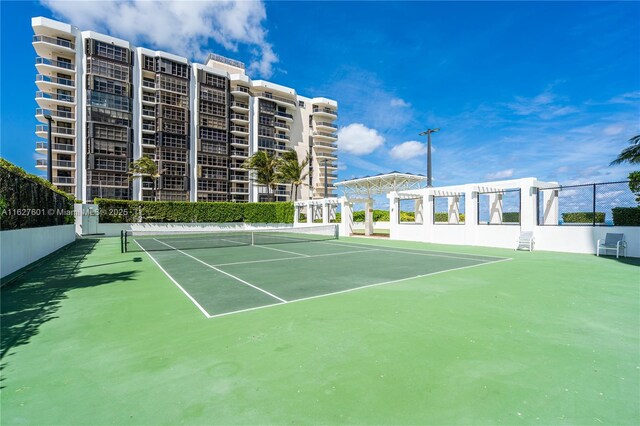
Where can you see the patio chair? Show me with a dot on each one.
(526, 241)
(612, 242)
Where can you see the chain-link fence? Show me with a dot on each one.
(499, 207)
(596, 204)
(25, 203)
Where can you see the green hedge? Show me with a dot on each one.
(124, 211)
(582, 217)
(378, 216)
(28, 201)
(511, 217)
(626, 216)
(444, 217)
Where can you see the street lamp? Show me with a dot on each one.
(428, 133)
(49, 149)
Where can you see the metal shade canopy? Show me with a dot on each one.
(383, 183)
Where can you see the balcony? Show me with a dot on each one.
(239, 154)
(325, 112)
(240, 91)
(325, 136)
(149, 84)
(60, 164)
(239, 118)
(44, 65)
(326, 156)
(147, 127)
(51, 99)
(324, 145)
(239, 106)
(236, 165)
(282, 136)
(284, 115)
(239, 130)
(42, 131)
(44, 44)
(238, 178)
(48, 83)
(320, 186)
(325, 125)
(279, 99)
(63, 180)
(239, 190)
(239, 141)
(149, 99)
(56, 115)
(284, 126)
(56, 147)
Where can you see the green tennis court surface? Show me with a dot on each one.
(94, 336)
(234, 276)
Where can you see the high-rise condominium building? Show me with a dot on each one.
(112, 103)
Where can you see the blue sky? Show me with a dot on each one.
(549, 90)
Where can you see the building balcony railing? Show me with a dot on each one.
(43, 128)
(54, 41)
(326, 124)
(238, 177)
(239, 190)
(237, 104)
(241, 154)
(55, 96)
(149, 84)
(56, 114)
(325, 135)
(149, 98)
(149, 127)
(63, 180)
(240, 89)
(54, 63)
(284, 114)
(282, 125)
(239, 141)
(325, 145)
(281, 136)
(280, 147)
(324, 110)
(278, 98)
(56, 147)
(55, 80)
(239, 129)
(56, 163)
(239, 117)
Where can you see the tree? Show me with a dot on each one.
(293, 172)
(265, 165)
(145, 167)
(630, 154)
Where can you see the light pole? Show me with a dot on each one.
(428, 133)
(49, 149)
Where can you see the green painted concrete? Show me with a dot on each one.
(98, 337)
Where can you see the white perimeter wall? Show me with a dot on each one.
(20, 247)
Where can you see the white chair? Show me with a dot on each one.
(526, 241)
(612, 242)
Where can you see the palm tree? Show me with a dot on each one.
(630, 154)
(265, 165)
(145, 167)
(293, 172)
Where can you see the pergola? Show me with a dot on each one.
(361, 190)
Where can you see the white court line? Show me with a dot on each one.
(292, 258)
(203, 310)
(225, 273)
(284, 251)
(360, 288)
(419, 252)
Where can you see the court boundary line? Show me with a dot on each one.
(283, 251)
(246, 262)
(420, 252)
(193, 300)
(361, 288)
(223, 272)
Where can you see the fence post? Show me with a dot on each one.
(594, 204)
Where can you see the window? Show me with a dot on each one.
(213, 134)
(174, 141)
(174, 99)
(110, 51)
(301, 104)
(173, 113)
(173, 155)
(215, 81)
(149, 63)
(172, 84)
(106, 100)
(174, 127)
(213, 108)
(106, 85)
(213, 148)
(211, 121)
(101, 131)
(212, 160)
(213, 95)
(108, 69)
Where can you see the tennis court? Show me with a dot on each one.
(232, 272)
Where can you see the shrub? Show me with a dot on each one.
(582, 217)
(124, 211)
(511, 217)
(626, 216)
(378, 216)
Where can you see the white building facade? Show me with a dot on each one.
(111, 103)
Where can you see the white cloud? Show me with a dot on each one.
(409, 149)
(626, 98)
(397, 102)
(545, 105)
(612, 130)
(502, 174)
(181, 27)
(358, 139)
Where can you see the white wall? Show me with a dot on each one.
(20, 247)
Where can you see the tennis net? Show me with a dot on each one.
(184, 240)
